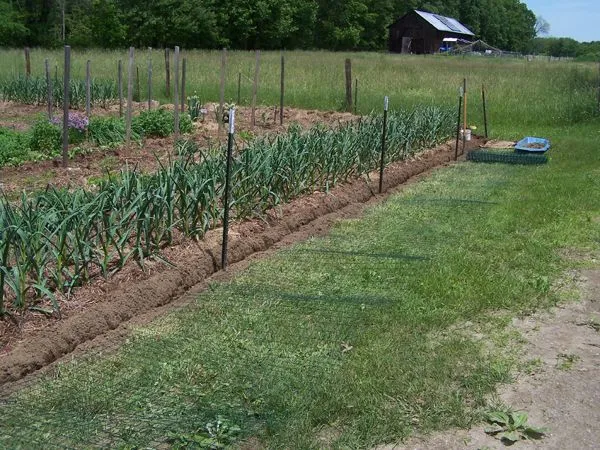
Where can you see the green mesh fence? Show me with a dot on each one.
(505, 156)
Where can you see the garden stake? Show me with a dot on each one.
(167, 73)
(485, 123)
(88, 93)
(465, 103)
(282, 89)
(383, 135)
(183, 70)
(227, 189)
(255, 86)
(356, 96)
(138, 93)
(120, 86)
(150, 79)
(176, 94)
(66, 84)
(348, 71)
(460, 97)
(129, 98)
(27, 62)
(222, 90)
(49, 84)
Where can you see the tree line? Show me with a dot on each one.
(248, 24)
(567, 47)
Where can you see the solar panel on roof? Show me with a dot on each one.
(448, 23)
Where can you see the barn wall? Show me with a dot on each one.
(425, 37)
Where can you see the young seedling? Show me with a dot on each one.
(512, 426)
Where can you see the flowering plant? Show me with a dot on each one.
(77, 121)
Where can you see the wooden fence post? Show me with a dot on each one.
(66, 100)
(348, 85)
(167, 73)
(356, 96)
(176, 93)
(27, 62)
(138, 89)
(88, 89)
(49, 86)
(222, 88)
(129, 98)
(150, 79)
(255, 86)
(282, 89)
(183, 71)
(120, 86)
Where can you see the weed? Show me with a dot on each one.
(196, 110)
(46, 138)
(217, 434)
(512, 426)
(532, 366)
(565, 361)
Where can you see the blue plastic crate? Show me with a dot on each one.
(524, 145)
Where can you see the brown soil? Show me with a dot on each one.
(534, 145)
(105, 305)
(85, 168)
(561, 394)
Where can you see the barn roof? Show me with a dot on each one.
(443, 23)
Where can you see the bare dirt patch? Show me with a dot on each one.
(105, 305)
(147, 157)
(561, 388)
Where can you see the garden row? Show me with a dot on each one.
(32, 90)
(56, 240)
(44, 140)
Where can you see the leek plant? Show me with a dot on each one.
(34, 91)
(56, 240)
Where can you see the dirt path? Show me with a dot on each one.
(561, 390)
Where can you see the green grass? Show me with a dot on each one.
(520, 93)
(359, 338)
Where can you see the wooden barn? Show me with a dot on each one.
(421, 32)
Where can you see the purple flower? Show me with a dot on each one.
(77, 121)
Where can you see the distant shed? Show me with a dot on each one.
(422, 32)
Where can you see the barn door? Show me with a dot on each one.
(406, 44)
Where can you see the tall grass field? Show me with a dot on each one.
(520, 92)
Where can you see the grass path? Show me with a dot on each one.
(392, 323)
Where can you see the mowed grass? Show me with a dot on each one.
(392, 324)
(520, 93)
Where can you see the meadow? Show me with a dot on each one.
(519, 92)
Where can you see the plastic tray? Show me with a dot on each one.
(522, 145)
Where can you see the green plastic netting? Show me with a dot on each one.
(505, 156)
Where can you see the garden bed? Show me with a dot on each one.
(35, 341)
(88, 167)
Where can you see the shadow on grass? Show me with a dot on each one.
(397, 256)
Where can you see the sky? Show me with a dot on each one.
(577, 19)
